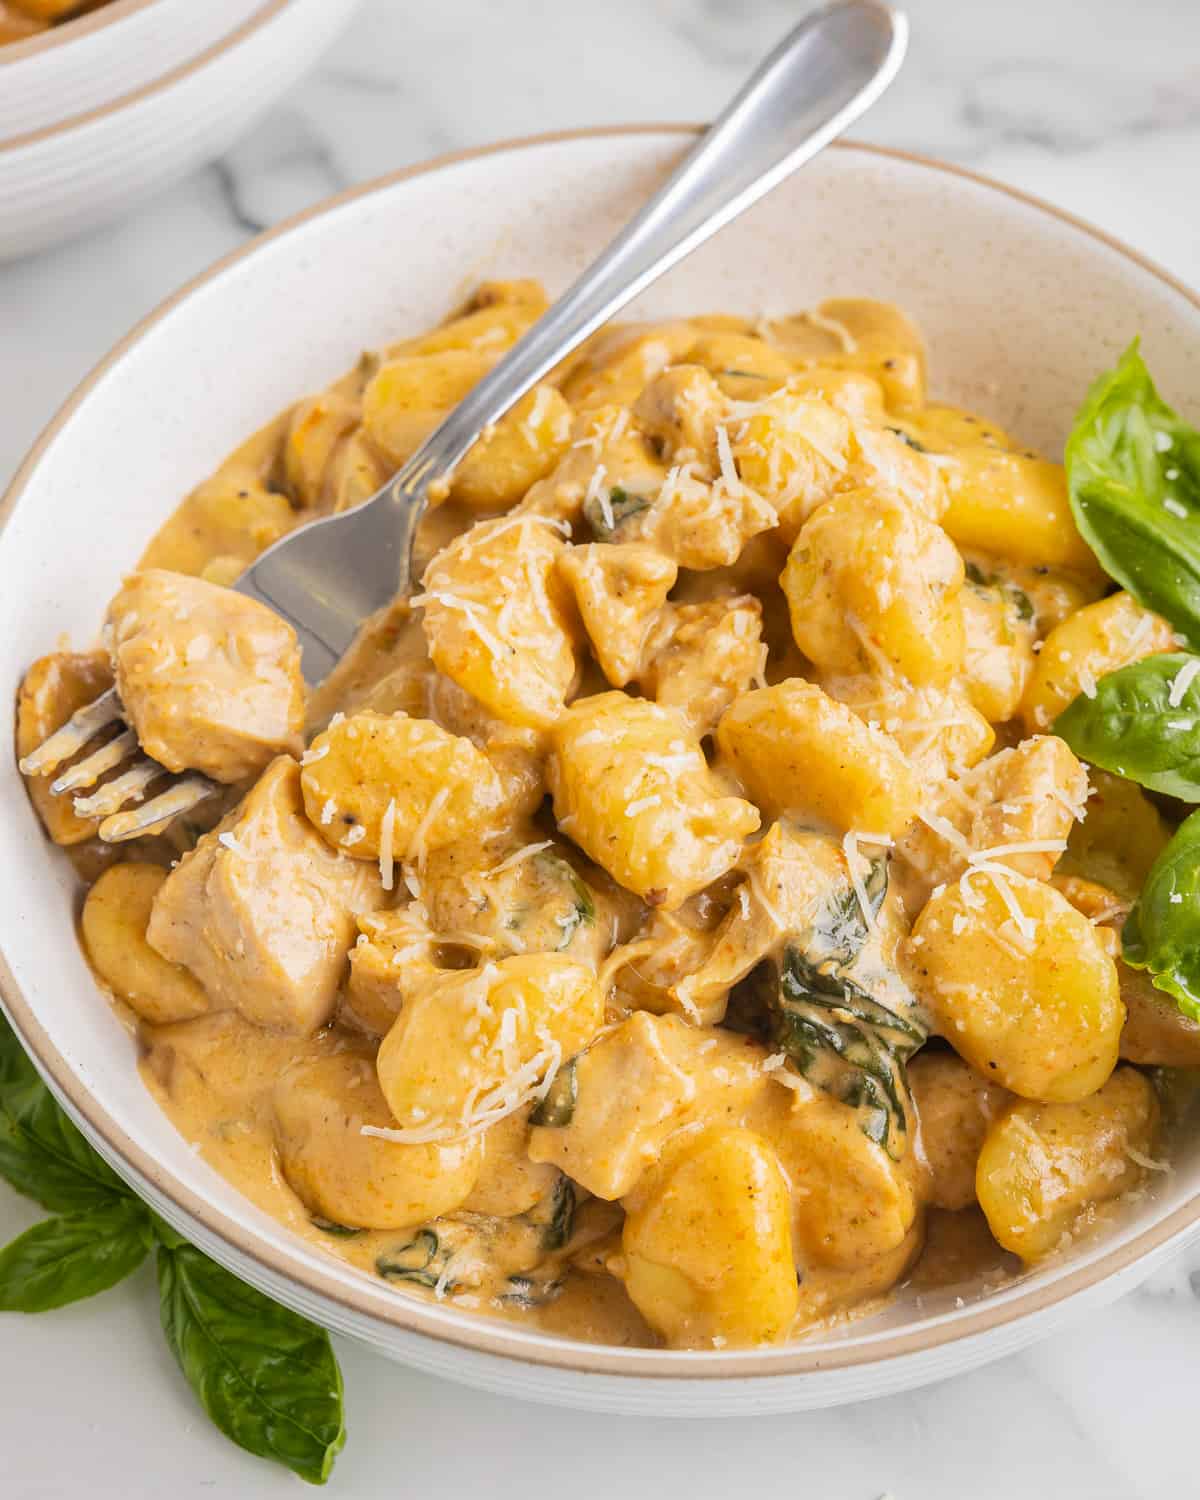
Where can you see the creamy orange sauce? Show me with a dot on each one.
(732, 1182)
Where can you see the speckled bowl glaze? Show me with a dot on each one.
(1021, 307)
(77, 148)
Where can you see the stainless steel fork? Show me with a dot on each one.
(328, 577)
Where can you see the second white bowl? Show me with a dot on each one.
(56, 182)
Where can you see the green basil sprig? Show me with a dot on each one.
(267, 1377)
(1162, 932)
(1140, 726)
(1133, 474)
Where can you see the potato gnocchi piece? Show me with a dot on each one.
(858, 334)
(795, 451)
(707, 1248)
(517, 754)
(1014, 504)
(872, 585)
(619, 591)
(387, 785)
(742, 364)
(798, 751)
(509, 1183)
(998, 659)
(499, 619)
(699, 658)
(320, 1106)
(317, 430)
(51, 691)
(493, 319)
(1044, 1165)
(834, 1170)
(955, 1106)
(475, 1044)
(1019, 984)
(510, 457)
(1120, 838)
(409, 396)
(1093, 641)
(114, 921)
(634, 791)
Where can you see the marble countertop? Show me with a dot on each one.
(1093, 104)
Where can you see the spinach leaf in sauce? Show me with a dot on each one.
(846, 1043)
(557, 1106)
(606, 522)
(422, 1260)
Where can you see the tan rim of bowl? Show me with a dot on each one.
(158, 85)
(485, 1335)
(55, 36)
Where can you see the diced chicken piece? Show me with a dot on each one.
(937, 730)
(608, 476)
(700, 657)
(792, 881)
(393, 957)
(263, 912)
(52, 690)
(210, 680)
(638, 1085)
(619, 590)
(1015, 809)
(680, 411)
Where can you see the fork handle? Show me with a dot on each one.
(818, 81)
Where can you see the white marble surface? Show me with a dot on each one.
(1094, 104)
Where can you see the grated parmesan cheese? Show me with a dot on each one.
(387, 829)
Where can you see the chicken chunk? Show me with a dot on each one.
(700, 657)
(263, 912)
(210, 680)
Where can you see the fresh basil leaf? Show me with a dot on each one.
(267, 1377)
(15, 1067)
(65, 1259)
(1140, 726)
(44, 1156)
(1133, 474)
(1162, 932)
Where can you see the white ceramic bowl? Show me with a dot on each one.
(60, 179)
(62, 73)
(1021, 306)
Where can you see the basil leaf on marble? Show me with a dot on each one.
(1143, 723)
(1162, 932)
(42, 1154)
(267, 1377)
(1133, 475)
(65, 1259)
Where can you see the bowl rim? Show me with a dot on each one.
(412, 1315)
(258, 18)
